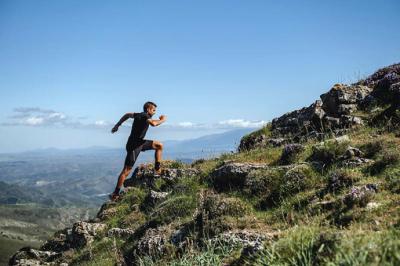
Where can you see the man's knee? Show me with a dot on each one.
(158, 145)
(127, 168)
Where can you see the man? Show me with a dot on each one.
(137, 143)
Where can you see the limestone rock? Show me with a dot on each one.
(305, 119)
(154, 197)
(144, 175)
(120, 232)
(107, 210)
(83, 233)
(58, 242)
(29, 256)
(154, 241)
(343, 99)
(251, 241)
(260, 141)
(382, 82)
(233, 175)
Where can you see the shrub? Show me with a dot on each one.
(372, 148)
(173, 208)
(271, 186)
(329, 151)
(392, 178)
(341, 178)
(388, 158)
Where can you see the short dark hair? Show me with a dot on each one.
(147, 105)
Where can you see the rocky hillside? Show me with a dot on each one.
(316, 186)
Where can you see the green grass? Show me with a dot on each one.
(303, 206)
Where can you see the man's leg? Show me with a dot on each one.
(130, 160)
(122, 176)
(158, 146)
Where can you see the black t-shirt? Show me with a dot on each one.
(139, 126)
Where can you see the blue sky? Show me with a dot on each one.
(70, 69)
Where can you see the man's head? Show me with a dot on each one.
(150, 108)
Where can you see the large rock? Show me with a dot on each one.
(143, 175)
(107, 210)
(382, 82)
(344, 99)
(215, 212)
(232, 175)
(29, 256)
(332, 112)
(154, 241)
(254, 141)
(83, 233)
(120, 232)
(58, 242)
(299, 121)
(251, 241)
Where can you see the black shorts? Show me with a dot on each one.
(134, 147)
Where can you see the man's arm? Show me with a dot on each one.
(155, 123)
(122, 120)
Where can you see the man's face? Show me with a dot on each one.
(151, 110)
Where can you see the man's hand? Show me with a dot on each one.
(114, 129)
(163, 117)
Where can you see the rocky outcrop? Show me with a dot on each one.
(233, 175)
(107, 210)
(305, 120)
(344, 99)
(154, 242)
(155, 197)
(83, 233)
(353, 157)
(332, 113)
(120, 233)
(251, 242)
(385, 83)
(259, 141)
(80, 235)
(29, 257)
(143, 175)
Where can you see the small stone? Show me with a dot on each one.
(372, 205)
(120, 233)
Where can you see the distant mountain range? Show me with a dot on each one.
(189, 149)
(82, 177)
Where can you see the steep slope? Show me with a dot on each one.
(317, 186)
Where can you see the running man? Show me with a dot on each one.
(137, 143)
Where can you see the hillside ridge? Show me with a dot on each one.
(316, 186)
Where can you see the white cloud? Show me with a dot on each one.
(35, 116)
(241, 123)
(57, 115)
(101, 123)
(33, 121)
(186, 124)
